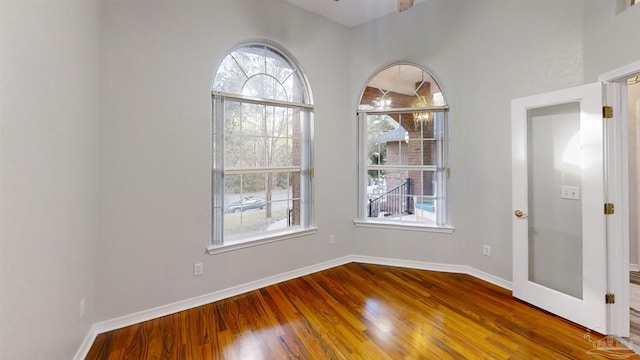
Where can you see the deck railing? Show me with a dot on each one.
(396, 201)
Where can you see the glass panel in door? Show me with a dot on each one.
(554, 197)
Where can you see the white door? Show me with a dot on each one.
(559, 238)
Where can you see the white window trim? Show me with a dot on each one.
(247, 242)
(409, 226)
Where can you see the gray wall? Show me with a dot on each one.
(49, 109)
(611, 41)
(610, 37)
(484, 53)
(158, 63)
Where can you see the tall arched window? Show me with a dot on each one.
(403, 150)
(262, 147)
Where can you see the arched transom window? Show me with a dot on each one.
(262, 119)
(403, 152)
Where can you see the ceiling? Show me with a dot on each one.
(350, 12)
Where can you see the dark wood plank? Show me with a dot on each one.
(361, 311)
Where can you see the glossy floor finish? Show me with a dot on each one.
(362, 311)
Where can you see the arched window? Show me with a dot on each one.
(261, 153)
(403, 152)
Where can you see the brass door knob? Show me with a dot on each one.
(519, 214)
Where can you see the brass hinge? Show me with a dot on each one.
(447, 172)
(312, 172)
(608, 209)
(609, 299)
(607, 112)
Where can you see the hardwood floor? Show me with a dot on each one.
(634, 311)
(361, 311)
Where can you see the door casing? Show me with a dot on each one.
(589, 310)
(617, 190)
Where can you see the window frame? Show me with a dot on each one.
(218, 170)
(362, 218)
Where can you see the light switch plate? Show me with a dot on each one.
(570, 192)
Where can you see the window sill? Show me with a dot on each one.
(259, 240)
(404, 226)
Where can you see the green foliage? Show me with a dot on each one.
(377, 151)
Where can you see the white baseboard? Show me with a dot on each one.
(634, 267)
(410, 264)
(83, 351)
(460, 269)
(490, 278)
(173, 308)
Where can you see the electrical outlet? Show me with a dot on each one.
(83, 307)
(198, 269)
(486, 250)
(332, 239)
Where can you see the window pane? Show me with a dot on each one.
(252, 120)
(230, 77)
(259, 202)
(425, 183)
(417, 152)
(376, 184)
(295, 89)
(294, 212)
(278, 199)
(404, 151)
(260, 148)
(279, 151)
(245, 209)
(265, 86)
(278, 66)
(383, 132)
(382, 190)
(232, 188)
(401, 86)
(279, 124)
(254, 152)
(263, 136)
(233, 117)
(251, 59)
(425, 210)
(260, 71)
(389, 194)
(244, 222)
(402, 195)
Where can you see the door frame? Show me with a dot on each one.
(589, 309)
(616, 191)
